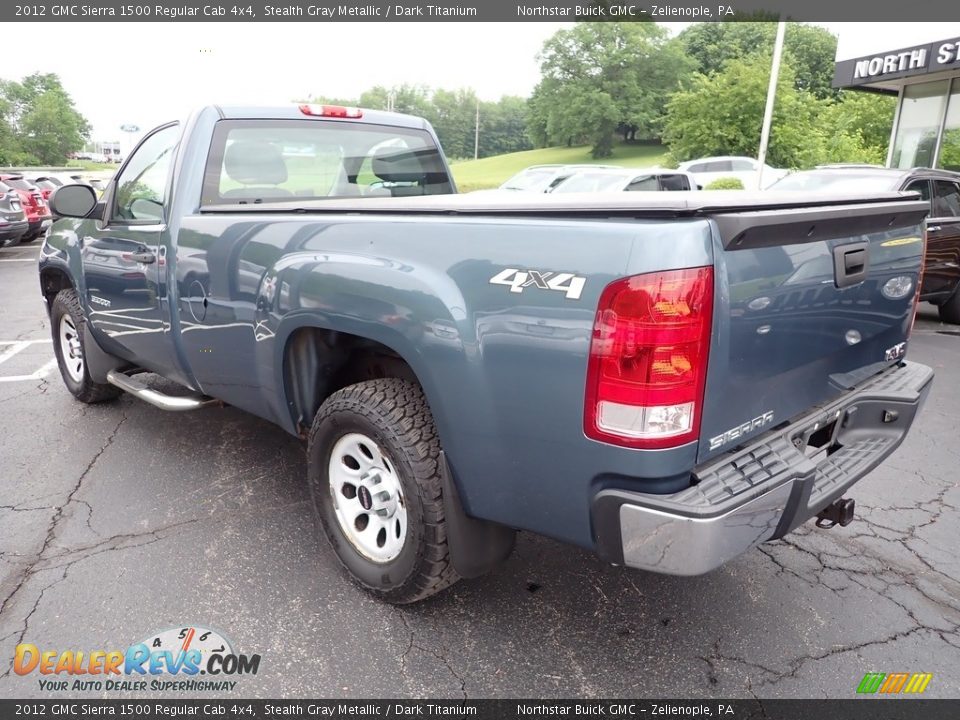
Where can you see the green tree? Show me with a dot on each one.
(598, 77)
(38, 121)
(812, 50)
(503, 126)
(722, 113)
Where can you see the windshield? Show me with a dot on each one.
(590, 182)
(528, 179)
(846, 181)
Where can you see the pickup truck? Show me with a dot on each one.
(668, 379)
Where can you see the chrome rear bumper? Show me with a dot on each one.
(766, 489)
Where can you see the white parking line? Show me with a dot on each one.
(10, 348)
(38, 375)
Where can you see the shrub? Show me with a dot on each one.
(730, 183)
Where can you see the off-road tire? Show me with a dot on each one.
(67, 302)
(394, 414)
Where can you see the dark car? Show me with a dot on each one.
(13, 220)
(39, 218)
(941, 272)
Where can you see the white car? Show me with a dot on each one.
(745, 169)
(630, 180)
(543, 178)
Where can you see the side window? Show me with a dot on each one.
(647, 182)
(742, 166)
(142, 186)
(946, 201)
(920, 186)
(674, 182)
(718, 166)
(699, 167)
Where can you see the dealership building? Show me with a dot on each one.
(923, 71)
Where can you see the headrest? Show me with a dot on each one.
(396, 165)
(255, 161)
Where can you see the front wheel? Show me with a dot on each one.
(374, 473)
(67, 321)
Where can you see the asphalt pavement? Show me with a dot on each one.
(119, 520)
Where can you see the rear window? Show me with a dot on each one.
(529, 179)
(19, 184)
(255, 161)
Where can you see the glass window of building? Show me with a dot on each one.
(949, 158)
(919, 124)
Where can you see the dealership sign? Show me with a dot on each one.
(907, 62)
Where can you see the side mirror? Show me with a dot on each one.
(76, 201)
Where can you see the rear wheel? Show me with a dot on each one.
(950, 309)
(28, 239)
(374, 472)
(66, 318)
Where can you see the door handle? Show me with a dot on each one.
(145, 256)
(933, 228)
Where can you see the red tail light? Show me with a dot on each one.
(648, 359)
(337, 111)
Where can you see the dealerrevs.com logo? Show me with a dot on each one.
(172, 660)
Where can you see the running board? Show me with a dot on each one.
(156, 398)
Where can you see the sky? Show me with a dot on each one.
(148, 73)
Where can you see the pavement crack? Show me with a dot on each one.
(31, 567)
(438, 654)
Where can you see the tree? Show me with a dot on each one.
(722, 113)
(39, 122)
(811, 49)
(503, 126)
(598, 77)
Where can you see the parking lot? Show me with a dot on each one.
(120, 520)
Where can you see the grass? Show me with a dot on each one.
(492, 171)
(89, 165)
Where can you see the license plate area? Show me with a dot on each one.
(819, 440)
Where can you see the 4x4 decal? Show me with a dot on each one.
(517, 280)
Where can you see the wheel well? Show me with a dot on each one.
(318, 362)
(53, 281)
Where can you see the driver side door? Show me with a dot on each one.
(124, 256)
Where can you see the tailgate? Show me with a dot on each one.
(809, 303)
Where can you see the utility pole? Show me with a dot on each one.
(391, 94)
(771, 97)
(476, 133)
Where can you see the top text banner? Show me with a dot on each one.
(483, 11)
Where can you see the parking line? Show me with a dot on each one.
(38, 375)
(14, 348)
(33, 260)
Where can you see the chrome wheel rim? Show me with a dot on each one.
(367, 498)
(70, 350)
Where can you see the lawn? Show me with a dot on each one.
(492, 171)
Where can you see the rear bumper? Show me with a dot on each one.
(764, 490)
(11, 233)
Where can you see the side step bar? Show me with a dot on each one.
(156, 398)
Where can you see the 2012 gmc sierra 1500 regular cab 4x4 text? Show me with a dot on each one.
(667, 378)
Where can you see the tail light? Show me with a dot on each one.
(336, 111)
(648, 359)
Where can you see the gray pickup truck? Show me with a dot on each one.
(668, 379)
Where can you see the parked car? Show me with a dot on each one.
(602, 180)
(543, 178)
(745, 169)
(941, 272)
(13, 219)
(46, 187)
(38, 213)
(465, 366)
